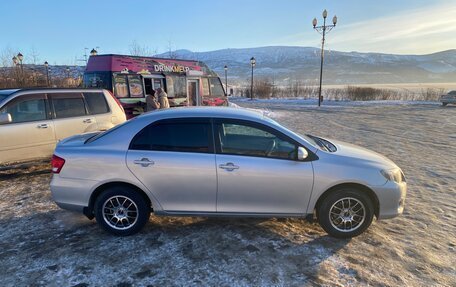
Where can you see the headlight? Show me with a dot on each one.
(395, 175)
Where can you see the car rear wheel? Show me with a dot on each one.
(121, 210)
(345, 213)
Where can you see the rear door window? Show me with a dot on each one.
(180, 136)
(27, 108)
(96, 103)
(67, 105)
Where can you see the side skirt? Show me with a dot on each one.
(229, 214)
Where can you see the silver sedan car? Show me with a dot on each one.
(222, 162)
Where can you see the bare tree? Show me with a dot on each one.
(171, 52)
(141, 50)
(34, 56)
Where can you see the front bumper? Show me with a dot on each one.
(391, 198)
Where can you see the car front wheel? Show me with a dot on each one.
(345, 213)
(121, 211)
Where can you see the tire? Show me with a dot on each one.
(342, 205)
(121, 210)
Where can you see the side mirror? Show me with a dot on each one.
(302, 153)
(5, 118)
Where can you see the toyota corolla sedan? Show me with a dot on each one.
(222, 162)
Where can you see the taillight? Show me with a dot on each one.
(117, 101)
(57, 164)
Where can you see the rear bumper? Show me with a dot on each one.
(71, 194)
(391, 198)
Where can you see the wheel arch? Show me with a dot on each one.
(89, 210)
(357, 186)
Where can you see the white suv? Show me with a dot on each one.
(32, 121)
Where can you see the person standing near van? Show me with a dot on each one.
(151, 102)
(163, 99)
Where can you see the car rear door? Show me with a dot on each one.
(175, 160)
(71, 115)
(258, 171)
(99, 108)
(30, 135)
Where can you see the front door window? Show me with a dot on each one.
(26, 110)
(239, 139)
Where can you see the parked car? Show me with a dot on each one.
(32, 121)
(449, 98)
(222, 162)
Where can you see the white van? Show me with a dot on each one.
(32, 121)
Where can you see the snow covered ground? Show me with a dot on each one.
(41, 245)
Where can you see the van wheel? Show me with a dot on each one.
(120, 210)
(345, 213)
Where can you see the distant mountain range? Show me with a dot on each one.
(282, 63)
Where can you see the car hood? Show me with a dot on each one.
(361, 154)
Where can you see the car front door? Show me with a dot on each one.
(258, 171)
(71, 115)
(30, 134)
(175, 160)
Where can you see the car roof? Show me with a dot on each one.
(8, 91)
(223, 112)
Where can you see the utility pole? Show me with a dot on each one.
(252, 63)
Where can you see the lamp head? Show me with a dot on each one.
(252, 61)
(93, 52)
(20, 57)
(46, 64)
(325, 14)
(335, 20)
(314, 22)
(14, 60)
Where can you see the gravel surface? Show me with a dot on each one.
(42, 245)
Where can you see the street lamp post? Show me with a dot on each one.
(17, 60)
(252, 63)
(46, 65)
(20, 58)
(68, 75)
(226, 80)
(15, 63)
(323, 30)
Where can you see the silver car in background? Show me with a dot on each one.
(222, 162)
(33, 120)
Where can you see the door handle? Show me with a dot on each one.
(87, 121)
(144, 162)
(42, 126)
(229, 166)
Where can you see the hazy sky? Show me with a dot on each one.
(60, 30)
